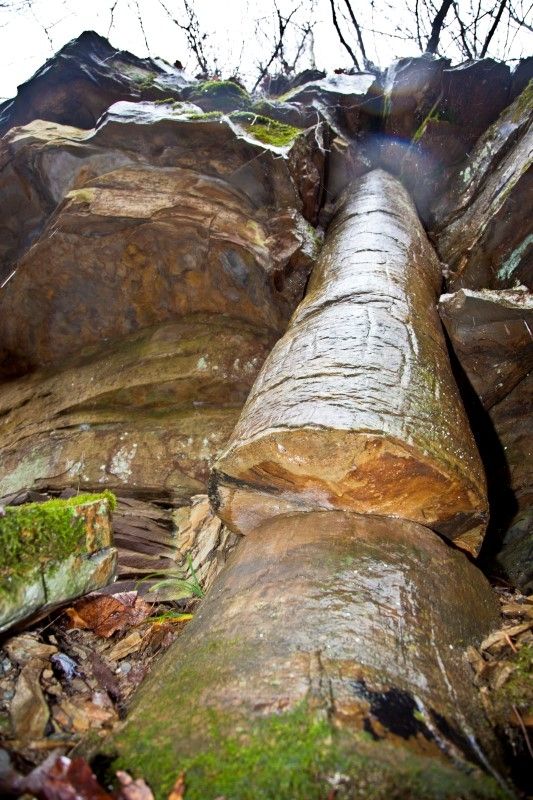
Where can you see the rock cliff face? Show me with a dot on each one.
(206, 291)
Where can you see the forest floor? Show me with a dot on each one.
(73, 674)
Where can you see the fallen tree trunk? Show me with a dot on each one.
(356, 408)
(330, 645)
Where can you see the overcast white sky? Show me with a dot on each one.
(230, 24)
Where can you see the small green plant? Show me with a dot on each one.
(182, 582)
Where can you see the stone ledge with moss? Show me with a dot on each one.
(53, 552)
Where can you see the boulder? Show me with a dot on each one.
(350, 104)
(330, 645)
(522, 74)
(491, 332)
(53, 552)
(164, 215)
(434, 114)
(411, 89)
(513, 549)
(144, 415)
(83, 79)
(218, 96)
(481, 225)
(356, 408)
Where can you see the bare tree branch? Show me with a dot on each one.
(358, 31)
(466, 49)
(278, 48)
(341, 37)
(140, 19)
(492, 31)
(438, 22)
(195, 38)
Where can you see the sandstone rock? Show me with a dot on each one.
(331, 620)
(83, 79)
(218, 96)
(482, 226)
(144, 536)
(356, 408)
(491, 332)
(434, 113)
(53, 552)
(411, 88)
(521, 76)
(349, 103)
(511, 418)
(145, 241)
(202, 539)
(145, 415)
(492, 335)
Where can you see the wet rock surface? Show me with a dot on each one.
(511, 418)
(83, 79)
(492, 336)
(144, 243)
(356, 408)
(433, 115)
(146, 415)
(482, 226)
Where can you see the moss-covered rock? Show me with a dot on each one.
(219, 96)
(265, 129)
(52, 552)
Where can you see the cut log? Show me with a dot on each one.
(356, 407)
(331, 643)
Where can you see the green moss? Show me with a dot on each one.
(146, 82)
(523, 103)
(266, 130)
(164, 101)
(518, 690)
(442, 114)
(297, 755)
(208, 115)
(36, 534)
(216, 89)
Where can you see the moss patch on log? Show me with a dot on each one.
(36, 534)
(297, 755)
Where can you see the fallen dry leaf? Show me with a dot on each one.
(178, 791)
(130, 644)
(29, 711)
(71, 717)
(106, 614)
(59, 778)
(26, 647)
(132, 789)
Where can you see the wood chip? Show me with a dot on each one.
(498, 639)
